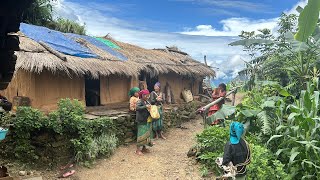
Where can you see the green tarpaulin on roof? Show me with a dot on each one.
(108, 43)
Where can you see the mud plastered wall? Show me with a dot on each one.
(114, 89)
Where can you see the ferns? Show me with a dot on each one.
(269, 119)
(265, 122)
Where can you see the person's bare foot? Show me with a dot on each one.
(162, 136)
(156, 136)
(145, 150)
(139, 152)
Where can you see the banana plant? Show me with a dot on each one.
(308, 20)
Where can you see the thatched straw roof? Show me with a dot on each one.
(160, 61)
(34, 57)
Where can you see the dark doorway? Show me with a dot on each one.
(92, 89)
(200, 87)
(151, 81)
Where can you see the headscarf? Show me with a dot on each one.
(158, 84)
(143, 92)
(133, 90)
(236, 131)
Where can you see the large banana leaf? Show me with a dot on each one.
(222, 113)
(296, 46)
(308, 20)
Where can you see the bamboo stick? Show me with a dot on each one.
(206, 107)
(52, 51)
(204, 110)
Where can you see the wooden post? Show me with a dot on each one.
(205, 60)
(233, 98)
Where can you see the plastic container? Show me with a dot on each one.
(3, 133)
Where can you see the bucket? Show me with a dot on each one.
(3, 133)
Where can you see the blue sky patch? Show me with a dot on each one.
(199, 27)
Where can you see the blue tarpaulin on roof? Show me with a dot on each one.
(56, 40)
(100, 45)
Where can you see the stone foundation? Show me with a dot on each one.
(173, 116)
(53, 149)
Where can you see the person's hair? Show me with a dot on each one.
(223, 86)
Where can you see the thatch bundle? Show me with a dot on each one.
(35, 58)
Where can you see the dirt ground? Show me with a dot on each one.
(167, 160)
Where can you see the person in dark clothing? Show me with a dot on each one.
(5, 104)
(144, 127)
(237, 151)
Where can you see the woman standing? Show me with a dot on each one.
(156, 98)
(134, 98)
(144, 128)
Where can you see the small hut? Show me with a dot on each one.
(96, 71)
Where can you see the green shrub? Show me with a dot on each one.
(89, 138)
(264, 165)
(103, 145)
(5, 120)
(212, 139)
(27, 121)
(210, 145)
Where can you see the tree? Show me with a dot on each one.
(67, 26)
(40, 13)
(280, 58)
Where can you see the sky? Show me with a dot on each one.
(198, 27)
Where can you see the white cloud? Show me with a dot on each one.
(98, 24)
(221, 75)
(301, 3)
(63, 10)
(232, 27)
(232, 4)
(203, 40)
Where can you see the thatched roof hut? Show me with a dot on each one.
(46, 75)
(34, 57)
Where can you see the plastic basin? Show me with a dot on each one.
(3, 133)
